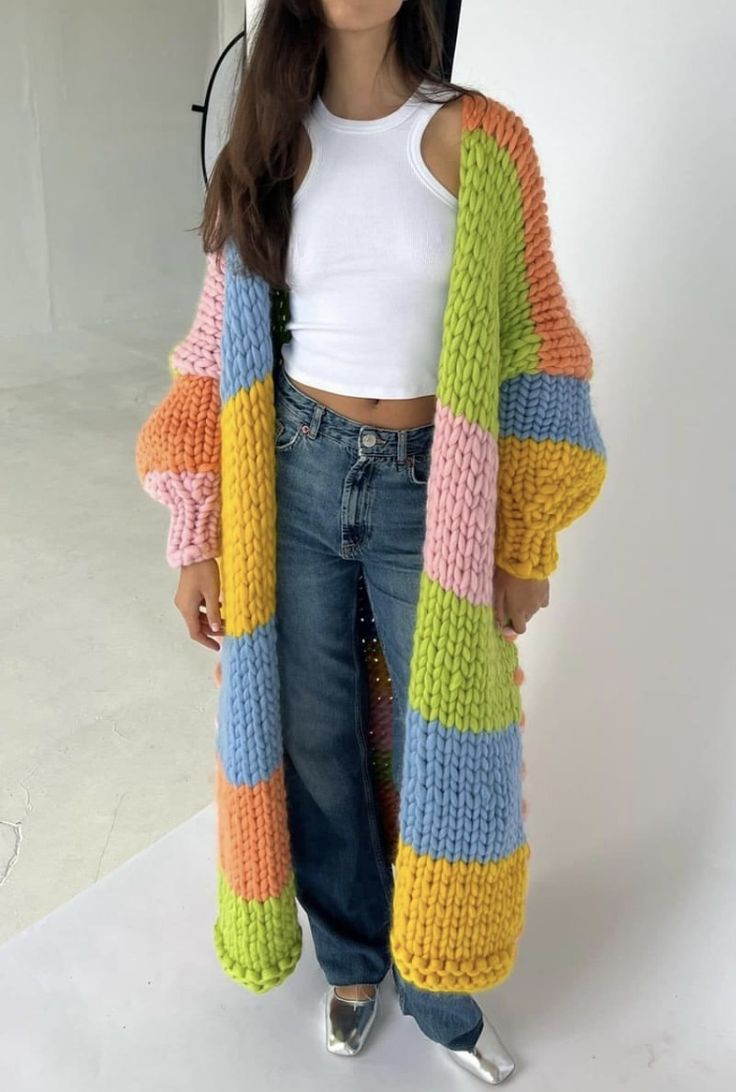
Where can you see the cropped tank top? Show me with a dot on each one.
(369, 256)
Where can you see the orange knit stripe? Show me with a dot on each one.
(253, 848)
(183, 431)
(564, 349)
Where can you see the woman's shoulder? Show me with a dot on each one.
(496, 117)
(471, 110)
(504, 126)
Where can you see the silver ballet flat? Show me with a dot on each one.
(347, 1023)
(489, 1059)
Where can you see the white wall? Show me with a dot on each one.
(232, 18)
(100, 180)
(631, 681)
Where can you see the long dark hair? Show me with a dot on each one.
(251, 185)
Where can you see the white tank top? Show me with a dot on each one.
(369, 257)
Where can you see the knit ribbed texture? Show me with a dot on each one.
(178, 447)
(516, 457)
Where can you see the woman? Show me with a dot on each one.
(340, 184)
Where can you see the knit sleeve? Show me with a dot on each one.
(178, 446)
(552, 460)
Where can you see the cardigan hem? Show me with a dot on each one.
(451, 977)
(259, 980)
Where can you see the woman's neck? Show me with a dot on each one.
(357, 85)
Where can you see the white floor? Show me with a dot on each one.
(120, 990)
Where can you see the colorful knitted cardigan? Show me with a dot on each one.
(516, 456)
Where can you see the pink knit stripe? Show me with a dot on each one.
(199, 352)
(461, 507)
(194, 504)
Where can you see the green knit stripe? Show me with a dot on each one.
(520, 341)
(462, 670)
(469, 361)
(257, 943)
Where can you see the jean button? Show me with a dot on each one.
(369, 439)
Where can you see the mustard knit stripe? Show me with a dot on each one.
(248, 508)
(455, 926)
(572, 475)
(461, 670)
(257, 943)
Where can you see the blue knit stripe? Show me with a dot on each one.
(461, 797)
(541, 407)
(249, 699)
(246, 347)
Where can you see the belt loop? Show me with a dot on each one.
(314, 424)
(401, 446)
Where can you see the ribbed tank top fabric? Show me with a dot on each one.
(369, 256)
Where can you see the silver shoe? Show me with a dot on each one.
(347, 1023)
(489, 1059)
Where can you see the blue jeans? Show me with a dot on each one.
(349, 497)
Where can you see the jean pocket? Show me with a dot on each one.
(417, 467)
(287, 431)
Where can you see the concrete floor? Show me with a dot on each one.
(107, 836)
(108, 706)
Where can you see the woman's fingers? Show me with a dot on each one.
(190, 612)
(500, 611)
(212, 606)
(518, 621)
(198, 601)
(516, 601)
(206, 632)
(195, 619)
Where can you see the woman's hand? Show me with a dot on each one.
(515, 601)
(199, 586)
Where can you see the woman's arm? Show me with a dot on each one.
(552, 461)
(178, 447)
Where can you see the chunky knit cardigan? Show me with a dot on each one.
(516, 457)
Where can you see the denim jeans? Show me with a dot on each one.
(350, 496)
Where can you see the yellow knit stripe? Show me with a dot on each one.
(248, 508)
(455, 926)
(462, 669)
(543, 486)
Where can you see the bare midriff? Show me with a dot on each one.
(381, 412)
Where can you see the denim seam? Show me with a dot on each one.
(298, 416)
(289, 444)
(289, 402)
(411, 468)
